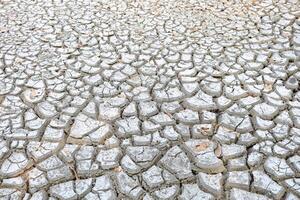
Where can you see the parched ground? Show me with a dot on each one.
(149, 99)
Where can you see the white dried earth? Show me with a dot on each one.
(149, 99)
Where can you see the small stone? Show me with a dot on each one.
(292, 83)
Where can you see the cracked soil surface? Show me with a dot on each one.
(149, 99)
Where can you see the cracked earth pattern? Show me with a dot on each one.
(149, 99)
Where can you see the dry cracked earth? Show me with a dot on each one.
(149, 99)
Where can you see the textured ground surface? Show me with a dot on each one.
(149, 99)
